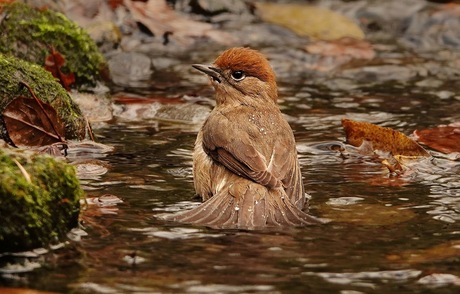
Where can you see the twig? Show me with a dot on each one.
(23, 171)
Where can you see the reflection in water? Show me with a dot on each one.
(385, 233)
(377, 221)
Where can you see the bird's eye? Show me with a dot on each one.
(238, 75)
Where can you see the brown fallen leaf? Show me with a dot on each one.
(445, 139)
(381, 138)
(164, 22)
(28, 126)
(31, 122)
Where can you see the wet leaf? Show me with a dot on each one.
(381, 138)
(32, 123)
(54, 150)
(95, 207)
(366, 214)
(54, 63)
(438, 253)
(445, 139)
(315, 22)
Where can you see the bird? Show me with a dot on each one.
(245, 164)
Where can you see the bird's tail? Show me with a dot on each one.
(255, 207)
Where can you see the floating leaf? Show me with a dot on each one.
(381, 138)
(445, 139)
(32, 123)
(315, 22)
(54, 63)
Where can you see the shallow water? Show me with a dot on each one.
(385, 233)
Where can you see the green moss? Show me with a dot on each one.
(45, 87)
(28, 33)
(39, 212)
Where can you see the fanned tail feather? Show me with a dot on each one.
(255, 207)
(214, 212)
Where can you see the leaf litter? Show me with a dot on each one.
(31, 122)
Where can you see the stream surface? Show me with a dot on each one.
(386, 234)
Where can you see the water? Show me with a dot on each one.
(387, 234)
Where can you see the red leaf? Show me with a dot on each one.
(114, 4)
(445, 139)
(53, 63)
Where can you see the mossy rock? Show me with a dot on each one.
(45, 87)
(40, 212)
(29, 33)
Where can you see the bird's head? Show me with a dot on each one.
(241, 74)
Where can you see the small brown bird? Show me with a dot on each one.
(245, 164)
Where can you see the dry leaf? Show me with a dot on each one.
(311, 21)
(164, 22)
(445, 139)
(381, 138)
(30, 124)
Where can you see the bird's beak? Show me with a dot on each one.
(213, 72)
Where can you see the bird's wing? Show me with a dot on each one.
(231, 146)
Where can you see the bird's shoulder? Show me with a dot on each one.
(243, 116)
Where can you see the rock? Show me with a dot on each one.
(225, 13)
(131, 69)
(39, 200)
(267, 35)
(45, 88)
(434, 28)
(96, 107)
(29, 34)
(215, 7)
(184, 112)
